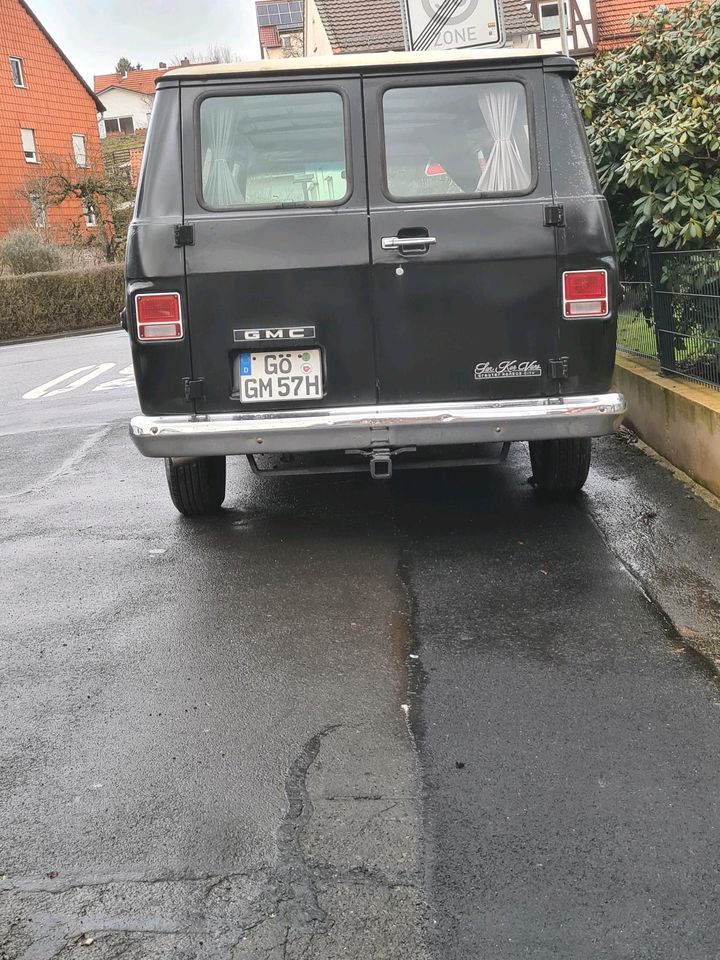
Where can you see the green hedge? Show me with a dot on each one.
(45, 303)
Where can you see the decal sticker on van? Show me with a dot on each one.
(508, 369)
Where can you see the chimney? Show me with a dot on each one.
(162, 65)
(184, 62)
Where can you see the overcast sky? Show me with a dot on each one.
(94, 34)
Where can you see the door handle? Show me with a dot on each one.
(412, 243)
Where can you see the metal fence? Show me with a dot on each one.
(671, 311)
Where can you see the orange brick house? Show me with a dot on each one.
(49, 119)
(613, 18)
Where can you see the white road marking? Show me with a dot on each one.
(46, 389)
(126, 379)
(38, 392)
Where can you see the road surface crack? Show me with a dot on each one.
(296, 890)
(67, 466)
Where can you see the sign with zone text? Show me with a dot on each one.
(453, 24)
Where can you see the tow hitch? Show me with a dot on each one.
(381, 459)
(381, 465)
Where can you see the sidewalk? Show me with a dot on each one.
(679, 419)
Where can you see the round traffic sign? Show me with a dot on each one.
(465, 10)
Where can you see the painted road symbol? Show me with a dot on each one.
(79, 377)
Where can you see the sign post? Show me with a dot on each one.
(453, 24)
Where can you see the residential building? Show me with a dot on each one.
(592, 24)
(280, 28)
(613, 18)
(364, 26)
(49, 119)
(128, 99)
(581, 18)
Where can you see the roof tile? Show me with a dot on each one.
(141, 81)
(269, 37)
(614, 18)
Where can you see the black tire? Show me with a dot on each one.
(197, 485)
(560, 466)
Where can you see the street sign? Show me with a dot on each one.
(453, 24)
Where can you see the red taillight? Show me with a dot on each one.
(159, 316)
(585, 293)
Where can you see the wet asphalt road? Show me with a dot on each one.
(436, 719)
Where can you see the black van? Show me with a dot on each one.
(374, 257)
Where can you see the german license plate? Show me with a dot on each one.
(272, 377)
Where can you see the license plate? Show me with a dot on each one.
(273, 377)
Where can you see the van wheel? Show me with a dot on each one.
(197, 485)
(560, 466)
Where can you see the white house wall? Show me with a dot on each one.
(126, 103)
(317, 42)
(581, 17)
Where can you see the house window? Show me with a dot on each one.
(37, 209)
(119, 125)
(28, 145)
(287, 43)
(79, 149)
(89, 214)
(18, 76)
(550, 17)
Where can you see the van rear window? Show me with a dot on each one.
(463, 140)
(273, 150)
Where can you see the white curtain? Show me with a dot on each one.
(220, 188)
(505, 169)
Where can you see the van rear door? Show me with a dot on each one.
(278, 266)
(465, 287)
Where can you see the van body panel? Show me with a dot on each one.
(276, 268)
(153, 264)
(585, 242)
(485, 294)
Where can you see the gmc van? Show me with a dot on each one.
(385, 260)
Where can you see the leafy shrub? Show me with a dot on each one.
(25, 251)
(47, 303)
(652, 110)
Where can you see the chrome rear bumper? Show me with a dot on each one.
(392, 425)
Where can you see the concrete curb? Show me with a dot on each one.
(678, 419)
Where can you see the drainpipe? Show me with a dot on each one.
(563, 28)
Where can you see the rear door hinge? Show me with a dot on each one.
(194, 389)
(559, 369)
(554, 215)
(184, 234)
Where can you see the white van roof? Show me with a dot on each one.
(357, 61)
